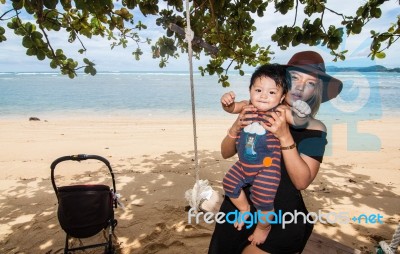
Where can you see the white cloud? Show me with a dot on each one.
(254, 128)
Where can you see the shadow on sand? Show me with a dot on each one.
(154, 219)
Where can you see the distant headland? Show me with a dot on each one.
(374, 68)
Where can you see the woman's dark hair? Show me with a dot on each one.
(276, 72)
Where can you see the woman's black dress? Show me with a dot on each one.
(226, 239)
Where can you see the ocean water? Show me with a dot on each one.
(365, 95)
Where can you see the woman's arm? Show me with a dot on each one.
(302, 169)
(228, 145)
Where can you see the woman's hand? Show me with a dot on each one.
(228, 145)
(242, 121)
(276, 123)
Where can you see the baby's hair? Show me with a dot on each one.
(276, 72)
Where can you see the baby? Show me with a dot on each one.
(258, 150)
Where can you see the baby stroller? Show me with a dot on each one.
(85, 210)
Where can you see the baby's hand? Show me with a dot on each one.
(301, 108)
(228, 98)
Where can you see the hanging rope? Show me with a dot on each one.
(189, 35)
(392, 247)
(202, 197)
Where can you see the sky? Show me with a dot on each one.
(14, 59)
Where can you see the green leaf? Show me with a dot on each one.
(225, 84)
(375, 45)
(357, 27)
(53, 64)
(380, 55)
(29, 28)
(376, 12)
(131, 4)
(31, 51)
(50, 4)
(66, 4)
(40, 55)
(36, 35)
(361, 10)
(27, 41)
(18, 4)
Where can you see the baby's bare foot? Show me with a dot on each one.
(259, 235)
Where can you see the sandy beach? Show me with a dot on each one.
(152, 158)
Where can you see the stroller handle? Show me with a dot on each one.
(80, 157)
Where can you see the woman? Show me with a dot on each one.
(302, 153)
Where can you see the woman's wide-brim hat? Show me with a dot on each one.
(312, 62)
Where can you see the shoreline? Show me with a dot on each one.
(153, 163)
(201, 113)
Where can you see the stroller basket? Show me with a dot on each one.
(85, 210)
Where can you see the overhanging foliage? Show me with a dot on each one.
(223, 29)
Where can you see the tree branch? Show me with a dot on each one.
(295, 15)
(388, 46)
(339, 14)
(196, 40)
(1, 17)
(322, 20)
(229, 66)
